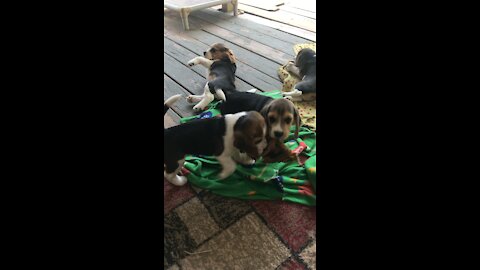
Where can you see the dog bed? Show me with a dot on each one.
(294, 181)
(307, 109)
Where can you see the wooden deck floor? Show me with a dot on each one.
(262, 39)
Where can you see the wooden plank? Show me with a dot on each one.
(249, 33)
(300, 12)
(244, 72)
(170, 119)
(254, 46)
(283, 17)
(183, 75)
(281, 27)
(260, 63)
(306, 5)
(183, 55)
(171, 88)
(263, 4)
(255, 27)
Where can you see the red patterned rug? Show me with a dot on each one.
(206, 231)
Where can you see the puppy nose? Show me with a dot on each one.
(278, 134)
(204, 53)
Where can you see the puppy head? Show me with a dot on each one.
(249, 134)
(304, 58)
(280, 115)
(218, 51)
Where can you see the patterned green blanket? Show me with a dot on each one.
(293, 181)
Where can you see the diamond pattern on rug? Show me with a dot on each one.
(241, 234)
(291, 264)
(197, 219)
(296, 227)
(247, 244)
(173, 195)
(225, 211)
(308, 255)
(176, 239)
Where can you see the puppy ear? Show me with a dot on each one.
(264, 112)
(231, 56)
(239, 141)
(298, 121)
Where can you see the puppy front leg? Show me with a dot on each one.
(228, 166)
(293, 69)
(199, 60)
(173, 177)
(208, 97)
(243, 158)
(195, 98)
(294, 93)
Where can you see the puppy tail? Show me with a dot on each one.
(169, 102)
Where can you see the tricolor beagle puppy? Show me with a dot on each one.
(305, 68)
(232, 138)
(279, 114)
(220, 62)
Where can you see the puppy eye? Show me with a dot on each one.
(288, 120)
(271, 119)
(212, 50)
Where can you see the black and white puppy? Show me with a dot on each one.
(221, 68)
(231, 138)
(305, 67)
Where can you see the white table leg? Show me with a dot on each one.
(184, 12)
(235, 7)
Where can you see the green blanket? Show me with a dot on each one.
(289, 181)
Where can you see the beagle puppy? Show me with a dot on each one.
(231, 138)
(279, 115)
(220, 63)
(305, 67)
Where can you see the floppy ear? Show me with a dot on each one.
(231, 56)
(298, 121)
(239, 141)
(264, 112)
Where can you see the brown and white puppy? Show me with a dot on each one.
(221, 67)
(305, 68)
(231, 138)
(280, 115)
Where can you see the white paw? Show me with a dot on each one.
(249, 162)
(224, 175)
(198, 108)
(190, 99)
(192, 62)
(252, 90)
(178, 180)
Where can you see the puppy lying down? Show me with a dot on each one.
(220, 63)
(305, 68)
(231, 138)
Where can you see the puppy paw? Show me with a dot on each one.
(198, 108)
(178, 180)
(290, 66)
(190, 99)
(192, 62)
(249, 162)
(224, 174)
